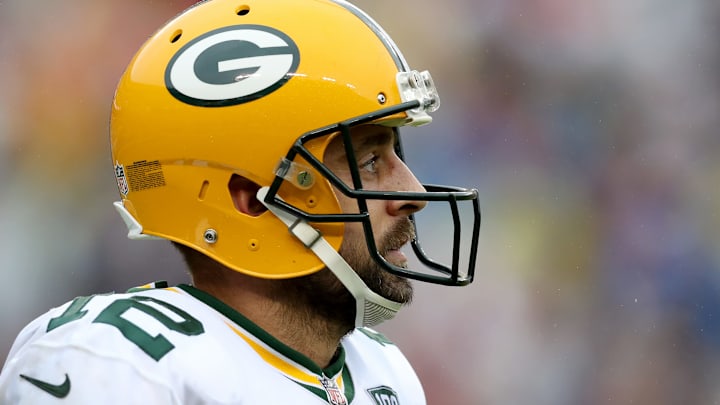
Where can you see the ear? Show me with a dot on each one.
(243, 193)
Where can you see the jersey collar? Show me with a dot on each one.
(293, 364)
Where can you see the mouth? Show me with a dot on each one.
(394, 254)
(398, 237)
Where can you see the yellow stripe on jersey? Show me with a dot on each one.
(276, 361)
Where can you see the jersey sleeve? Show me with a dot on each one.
(44, 374)
(63, 357)
(29, 332)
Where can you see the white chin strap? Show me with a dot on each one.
(372, 308)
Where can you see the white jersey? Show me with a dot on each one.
(179, 345)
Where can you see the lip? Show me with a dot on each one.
(392, 252)
(396, 257)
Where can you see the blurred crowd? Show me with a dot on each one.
(590, 129)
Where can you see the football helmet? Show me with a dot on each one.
(259, 88)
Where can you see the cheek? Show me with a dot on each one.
(354, 233)
(347, 205)
(376, 210)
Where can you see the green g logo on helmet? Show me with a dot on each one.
(232, 65)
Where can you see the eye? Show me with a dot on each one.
(370, 164)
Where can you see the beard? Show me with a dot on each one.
(381, 281)
(325, 296)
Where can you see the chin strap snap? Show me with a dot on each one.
(371, 307)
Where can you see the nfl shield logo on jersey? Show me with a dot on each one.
(384, 395)
(334, 395)
(120, 177)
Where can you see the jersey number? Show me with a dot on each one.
(155, 346)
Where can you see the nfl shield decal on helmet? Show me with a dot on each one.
(232, 65)
(384, 395)
(121, 179)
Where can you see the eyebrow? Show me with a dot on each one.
(376, 139)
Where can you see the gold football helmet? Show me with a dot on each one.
(259, 88)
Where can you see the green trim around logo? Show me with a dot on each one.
(58, 391)
(384, 395)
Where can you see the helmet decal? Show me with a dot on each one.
(121, 179)
(232, 65)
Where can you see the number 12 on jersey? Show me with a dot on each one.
(154, 346)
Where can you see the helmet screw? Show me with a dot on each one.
(210, 236)
(304, 179)
(381, 98)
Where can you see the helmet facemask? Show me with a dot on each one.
(458, 272)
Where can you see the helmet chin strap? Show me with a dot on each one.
(371, 307)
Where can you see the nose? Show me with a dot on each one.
(406, 181)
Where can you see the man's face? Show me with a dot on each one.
(382, 170)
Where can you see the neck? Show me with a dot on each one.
(283, 308)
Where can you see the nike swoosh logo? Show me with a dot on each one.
(58, 391)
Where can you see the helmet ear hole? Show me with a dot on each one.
(243, 192)
(242, 10)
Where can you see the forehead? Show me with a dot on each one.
(363, 137)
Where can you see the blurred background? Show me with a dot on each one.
(590, 129)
